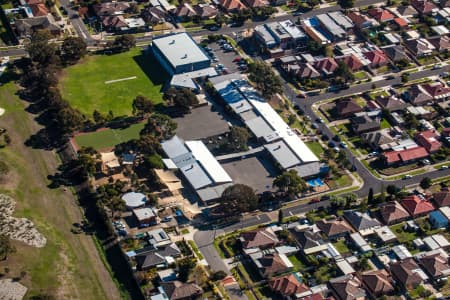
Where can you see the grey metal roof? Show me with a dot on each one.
(265, 35)
(174, 147)
(282, 154)
(180, 49)
(330, 25)
(307, 170)
(341, 19)
(196, 176)
(212, 193)
(261, 129)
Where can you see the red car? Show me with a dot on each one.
(314, 200)
(237, 59)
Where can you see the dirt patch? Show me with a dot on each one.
(11, 290)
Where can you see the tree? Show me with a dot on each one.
(238, 198)
(405, 77)
(264, 78)
(391, 189)
(185, 266)
(280, 216)
(238, 138)
(160, 126)
(142, 106)
(218, 275)
(40, 50)
(73, 49)
(344, 71)
(123, 42)
(6, 247)
(115, 204)
(182, 99)
(290, 183)
(425, 183)
(411, 121)
(346, 3)
(363, 205)
(370, 196)
(99, 118)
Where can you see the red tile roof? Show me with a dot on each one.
(423, 6)
(39, 9)
(376, 57)
(287, 285)
(327, 65)
(405, 155)
(232, 4)
(401, 22)
(351, 61)
(446, 132)
(417, 206)
(442, 198)
(381, 14)
(258, 238)
(429, 140)
(436, 89)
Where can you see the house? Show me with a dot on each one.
(429, 140)
(361, 21)
(288, 286)
(114, 23)
(162, 256)
(417, 206)
(206, 11)
(437, 90)
(436, 264)
(392, 212)
(376, 57)
(301, 70)
(380, 14)
(270, 264)
(177, 290)
(145, 216)
(395, 53)
(379, 139)
(419, 47)
(353, 62)
(360, 221)
(424, 7)
(407, 11)
(378, 283)
(391, 103)
(38, 9)
(154, 15)
(185, 11)
(417, 95)
(437, 219)
(326, 65)
(347, 108)
(440, 43)
(408, 273)
(309, 241)
(335, 228)
(364, 123)
(442, 198)
(347, 287)
(111, 8)
(259, 238)
(257, 3)
(26, 27)
(232, 5)
(401, 23)
(404, 156)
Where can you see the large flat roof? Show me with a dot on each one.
(196, 176)
(283, 155)
(179, 49)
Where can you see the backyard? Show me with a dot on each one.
(111, 82)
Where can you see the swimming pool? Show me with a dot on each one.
(315, 182)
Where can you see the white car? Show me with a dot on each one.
(407, 176)
(443, 168)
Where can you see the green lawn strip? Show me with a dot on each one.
(108, 137)
(341, 246)
(402, 235)
(341, 182)
(83, 85)
(184, 231)
(196, 250)
(298, 264)
(385, 124)
(316, 148)
(360, 75)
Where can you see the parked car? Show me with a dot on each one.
(443, 168)
(407, 176)
(343, 144)
(331, 144)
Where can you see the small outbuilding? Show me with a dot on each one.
(437, 219)
(134, 200)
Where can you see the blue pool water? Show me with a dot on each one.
(315, 182)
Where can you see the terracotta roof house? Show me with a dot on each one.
(360, 221)
(437, 90)
(33, 2)
(395, 52)
(442, 198)
(154, 15)
(231, 5)
(26, 27)
(347, 288)
(257, 3)
(326, 65)
(429, 140)
(377, 58)
(303, 70)
(407, 11)
(206, 11)
(407, 273)
(335, 228)
(377, 139)
(39, 9)
(404, 156)
(288, 285)
(364, 123)
(259, 238)
(378, 283)
(111, 8)
(347, 108)
(185, 11)
(392, 212)
(353, 63)
(360, 20)
(177, 290)
(401, 22)
(441, 43)
(419, 47)
(271, 264)
(417, 95)
(391, 103)
(112, 23)
(424, 7)
(436, 264)
(416, 206)
(380, 14)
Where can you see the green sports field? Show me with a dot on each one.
(109, 137)
(110, 82)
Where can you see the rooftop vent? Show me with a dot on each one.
(184, 56)
(172, 42)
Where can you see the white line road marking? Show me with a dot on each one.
(121, 79)
(258, 217)
(290, 213)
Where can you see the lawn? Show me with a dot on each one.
(340, 182)
(83, 85)
(360, 75)
(109, 137)
(69, 265)
(196, 250)
(316, 148)
(403, 236)
(385, 124)
(298, 264)
(341, 246)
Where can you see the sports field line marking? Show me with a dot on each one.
(121, 79)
